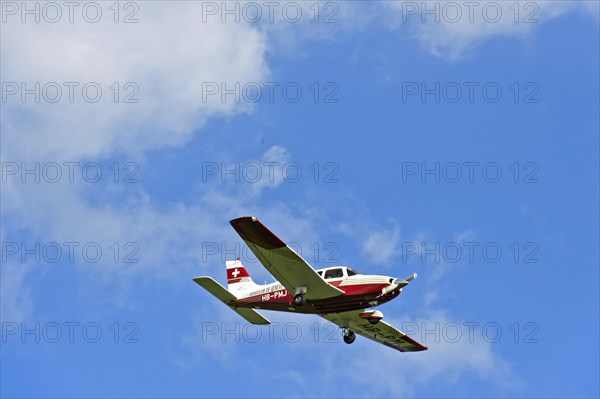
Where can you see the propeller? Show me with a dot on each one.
(398, 283)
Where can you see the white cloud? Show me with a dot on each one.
(591, 8)
(464, 236)
(168, 54)
(86, 212)
(451, 30)
(170, 57)
(454, 353)
(271, 172)
(447, 360)
(15, 302)
(446, 29)
(169, 239)
(380, 244)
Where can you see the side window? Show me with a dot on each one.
(351, 272)
(334, 273)
(320, 272)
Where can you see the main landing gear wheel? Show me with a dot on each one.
(349, 337)
(299, 300)
(373, 320)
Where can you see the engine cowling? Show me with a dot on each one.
(397, 283)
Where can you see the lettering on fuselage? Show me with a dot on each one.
(274, 295)
(270, 292)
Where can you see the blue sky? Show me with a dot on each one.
(502, 230)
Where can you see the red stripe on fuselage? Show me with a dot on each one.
(359, 289)
(355, 297)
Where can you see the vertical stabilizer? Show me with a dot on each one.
(238, 278)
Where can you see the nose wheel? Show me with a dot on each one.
(349, 336)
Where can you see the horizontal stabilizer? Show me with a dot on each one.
(226, 297)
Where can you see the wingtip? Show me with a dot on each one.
(244, 218)
(252, 230)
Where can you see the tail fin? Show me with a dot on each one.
(238, 278)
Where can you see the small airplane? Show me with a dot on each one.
(338, 294)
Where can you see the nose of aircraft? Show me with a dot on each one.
(398, 283)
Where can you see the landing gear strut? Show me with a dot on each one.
(349, 336)
(299, 300)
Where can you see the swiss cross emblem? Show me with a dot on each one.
(235, 273)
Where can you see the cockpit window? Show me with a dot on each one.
(334, 273)
(352, 272)
(320, 273)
